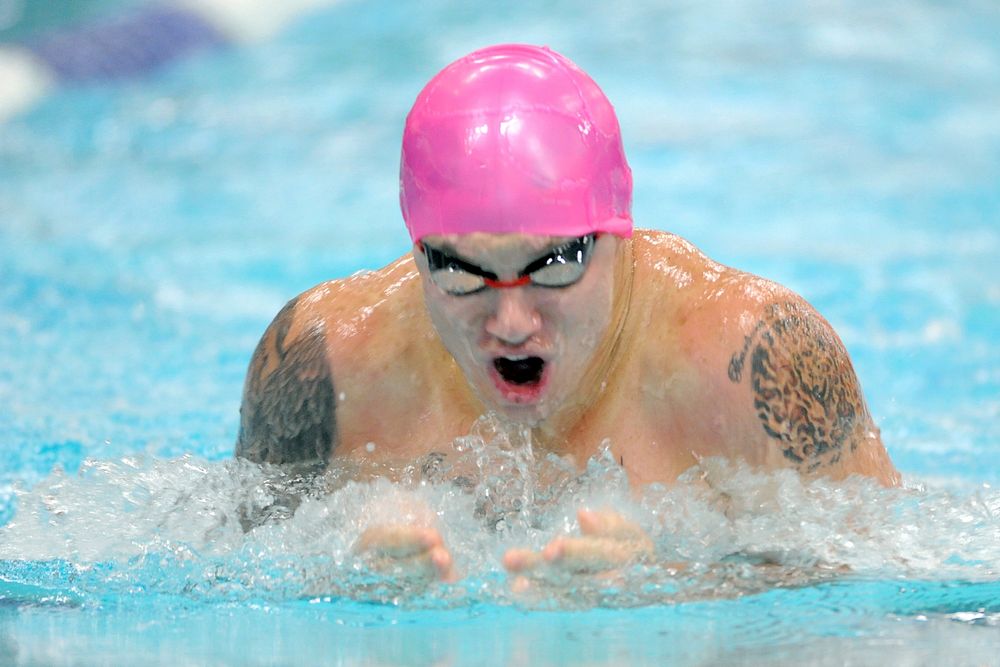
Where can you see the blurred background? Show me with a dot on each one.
(161, 198)
(23, 18)
(171, 173)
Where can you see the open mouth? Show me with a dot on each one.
(520, 371)
(521, 380)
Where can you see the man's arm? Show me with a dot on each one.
(806, 394)
(288, 412)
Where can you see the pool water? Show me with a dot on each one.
(150, 229)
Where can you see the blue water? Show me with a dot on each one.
(150, 230)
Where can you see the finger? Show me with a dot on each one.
(590, 554)
(380, 540)
(426, 564)
(521, 584)
(608, 523)
(443, 563)
(521, 560)
(397, 541)
(435, 563)
(582, 554)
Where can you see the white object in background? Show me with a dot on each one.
(23, 81)
(250, 20)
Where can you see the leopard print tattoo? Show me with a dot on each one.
(804, 387)
(288, 412)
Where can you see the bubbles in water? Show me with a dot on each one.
(228, 529)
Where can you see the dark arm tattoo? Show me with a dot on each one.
(804, 388)
(288, 412)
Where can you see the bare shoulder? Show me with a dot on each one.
(289, 409)
(674, 262)
(771, 365)
(792, 370)
(287, 414)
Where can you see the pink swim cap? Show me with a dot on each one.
(514, 139)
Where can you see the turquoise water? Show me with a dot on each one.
(150, 230)
(21, 19)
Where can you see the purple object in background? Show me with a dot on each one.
(126, 46)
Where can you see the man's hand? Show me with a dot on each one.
(406, 552)
(609, 543)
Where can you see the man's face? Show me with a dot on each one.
(525, 349)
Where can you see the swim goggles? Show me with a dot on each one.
(561, 267)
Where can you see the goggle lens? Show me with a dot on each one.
(561, 267)
(456, 281)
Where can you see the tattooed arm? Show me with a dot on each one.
(288, 412)
(806, 395)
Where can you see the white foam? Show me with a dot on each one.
(23, 81)
(723, 529)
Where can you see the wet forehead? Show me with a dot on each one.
(500, 251)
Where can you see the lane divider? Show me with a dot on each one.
(135, 44)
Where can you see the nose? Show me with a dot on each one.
(515, 319)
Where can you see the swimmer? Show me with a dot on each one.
(529, 294)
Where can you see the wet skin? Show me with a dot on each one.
(669, 355)
(567, 328)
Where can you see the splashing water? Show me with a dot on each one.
(236, 530)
